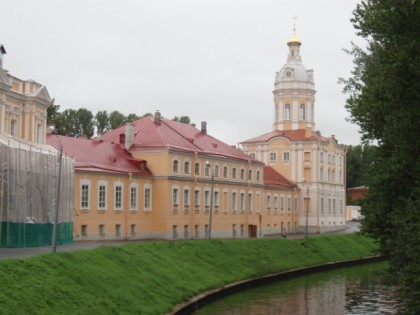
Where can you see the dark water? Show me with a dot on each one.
(354, 290)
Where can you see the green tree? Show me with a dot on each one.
(102, 121)
(52, 113)
(182, 119)
(75, 123)
(360, 159)
(116, 119)
(131, 117)
(384, 100)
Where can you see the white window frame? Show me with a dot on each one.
(147, 197)
(104, 184)
(118, 196)
(268, 201)
(287, 112)
(175, 166)
(197, 197)
(186, 196)
(175, 195)
(234, 200)
(286, 156)
(197, 168)
(86, 183)
(187, 168)
(273, 156)
(134, 196)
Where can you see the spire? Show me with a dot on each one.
(294, 45)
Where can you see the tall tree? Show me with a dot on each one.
(384, 99)
(85, 122)
(360, 159)
(102, 121)
(116, 119)
(131, 117)
(182, 119)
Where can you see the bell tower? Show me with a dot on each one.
(294, 92)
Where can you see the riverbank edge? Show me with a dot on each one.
(212, 295)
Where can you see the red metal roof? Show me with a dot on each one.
(93, 155)
(177, 136)
(274, 179)
(292, 135)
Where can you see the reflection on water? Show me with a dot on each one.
(354, 290)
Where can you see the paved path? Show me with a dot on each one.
(22, 252)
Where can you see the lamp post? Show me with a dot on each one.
(57, 203)
(211, 197)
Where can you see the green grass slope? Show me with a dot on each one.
(152, 277)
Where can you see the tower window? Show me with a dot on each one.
(302, 112)
(287, 112)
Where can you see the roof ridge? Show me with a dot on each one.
(186, 138)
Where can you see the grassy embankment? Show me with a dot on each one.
(150, 278)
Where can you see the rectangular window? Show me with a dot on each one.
(322, 205)
(307, 156)
(186, 232)
(197, 169)
(13, 128)
(207, 170)
(286, 156)
(234, 201)
(250, 175)
(197, 197)
(242, 174)
(234, 173)
(133, 197)
(334, 206)
(85, 196)
(118, 229)
(147, 198)
(206, 230)
(281, 203)
(133, 229)
(102, 197)
(118, 197)
(234, 230)
(289, 204)
(275, 202)
(207, 198)
(242, 202)
(250, 201)
(101, 230)
(242, 230)
(186, 197)
(273, 157)
(216, 199)
(268, 201)
(175, 197)
(296, 204)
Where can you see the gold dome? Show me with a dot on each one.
(294, 40)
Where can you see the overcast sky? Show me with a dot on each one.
(212, 60)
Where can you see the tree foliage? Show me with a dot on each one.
(360, 159)
(384, 100)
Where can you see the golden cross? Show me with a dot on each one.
(294, 24)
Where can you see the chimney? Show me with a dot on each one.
(308, 132)
(157, 117)
(129, 135)
(204, 127)
(2, 52)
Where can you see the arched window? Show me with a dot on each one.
(216, 171)
(175, 166)
(287, 112)
(302, 112)
(187, 168)
(197, 169)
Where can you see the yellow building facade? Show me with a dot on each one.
(23, 106)
(316, 164)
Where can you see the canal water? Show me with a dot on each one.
(353, 290)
